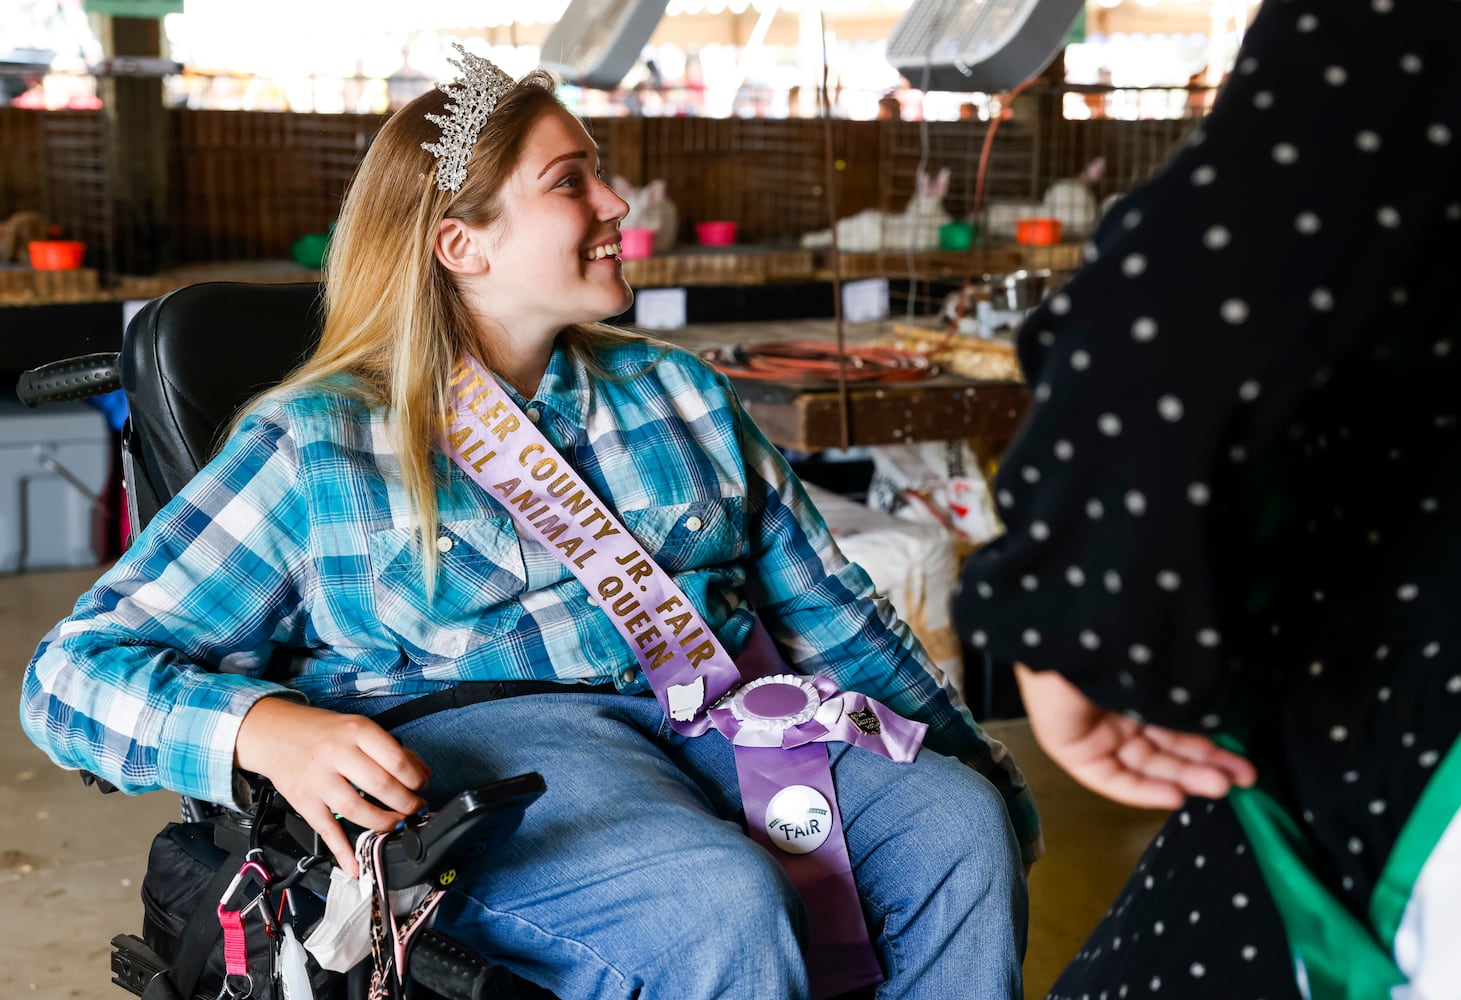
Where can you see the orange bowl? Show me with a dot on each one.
(720, 233)
(56, 255)
(1041, 232)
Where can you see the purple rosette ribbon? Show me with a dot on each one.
(792, 710)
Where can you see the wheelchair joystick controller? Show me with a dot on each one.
(427, 847)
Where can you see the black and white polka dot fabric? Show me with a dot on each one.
(1192, 921)
(1234, 506)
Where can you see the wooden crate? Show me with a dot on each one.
(926, 264)
(731, 266)
(1060, 257)
(789, 265)
(258, 272)
(23, 286)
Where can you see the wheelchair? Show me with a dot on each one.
(189, 360)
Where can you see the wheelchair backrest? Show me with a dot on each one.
(191, 358)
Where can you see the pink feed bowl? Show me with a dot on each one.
(636, 244)
(716, 234)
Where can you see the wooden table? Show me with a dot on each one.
(803, 416)
(807, 416)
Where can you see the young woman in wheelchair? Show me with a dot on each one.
(286, 596)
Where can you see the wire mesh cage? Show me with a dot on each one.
(248, 185)
(77, 194)
(244, 186)
(766, 175)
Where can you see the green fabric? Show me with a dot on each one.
(1342, 957)
(1438, 805)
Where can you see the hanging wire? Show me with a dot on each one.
(1005, 101)
(825, 106)
(922, 171)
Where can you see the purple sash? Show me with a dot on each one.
(775, 718)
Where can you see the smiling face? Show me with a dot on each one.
(552, 255)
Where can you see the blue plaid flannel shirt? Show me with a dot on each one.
(287, 566)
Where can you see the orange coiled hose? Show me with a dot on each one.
(817, 361)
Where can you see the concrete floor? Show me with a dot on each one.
(71, 860)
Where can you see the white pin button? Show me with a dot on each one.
(444, 543)
(534, 414)
(694, 523)
(629, 676)
(798, 819)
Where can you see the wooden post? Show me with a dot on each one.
(137, 149)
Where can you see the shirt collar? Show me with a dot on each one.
(564, 388)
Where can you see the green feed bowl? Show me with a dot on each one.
(957, 235)
(309, 250)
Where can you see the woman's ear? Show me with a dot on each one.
(459, 248)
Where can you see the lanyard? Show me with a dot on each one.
(390, 939)
(775, 719)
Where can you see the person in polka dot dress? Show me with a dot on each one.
(1231, 513)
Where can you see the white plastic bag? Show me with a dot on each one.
(936, 482)
(293, 973)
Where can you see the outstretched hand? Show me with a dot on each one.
(1125, 760)
(321, 761)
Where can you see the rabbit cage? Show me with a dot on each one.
(244, 185)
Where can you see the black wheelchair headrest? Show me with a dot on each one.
(191, 358)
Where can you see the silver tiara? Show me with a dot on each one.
(474, 97)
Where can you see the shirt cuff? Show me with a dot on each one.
(195, 754)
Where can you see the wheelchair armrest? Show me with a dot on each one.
(101, 784)
(70, 378)
(427, 847)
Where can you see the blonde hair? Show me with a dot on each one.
(394, 318)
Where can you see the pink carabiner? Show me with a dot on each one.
(249, 867)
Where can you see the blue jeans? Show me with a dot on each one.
(632, 875)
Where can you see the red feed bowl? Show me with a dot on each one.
(56, 255)
(1041, 232)
(716, 234)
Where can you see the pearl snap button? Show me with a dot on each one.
(534, 414)
(444, 543)
(694, 523)
(629, 676)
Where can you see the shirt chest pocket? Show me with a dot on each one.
(690, 536)
(477, 588)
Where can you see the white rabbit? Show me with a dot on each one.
(1073, 201)
(1069, 200)
(1002, 217)
(916, 227)
(650, 208)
